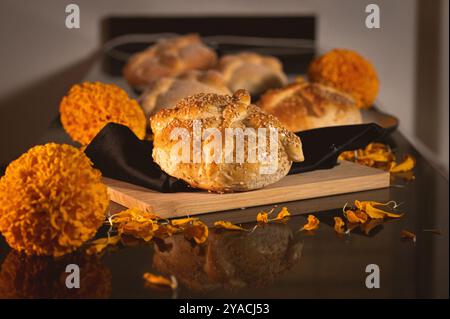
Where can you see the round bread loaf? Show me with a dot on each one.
(304, 105)
(168, 91)
(169, 57)
(253, 72)
(208, 164)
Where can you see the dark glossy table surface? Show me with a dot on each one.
(274, 261)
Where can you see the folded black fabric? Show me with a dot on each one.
(119, 154)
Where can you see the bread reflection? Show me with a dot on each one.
(32, 277)
(230, 259)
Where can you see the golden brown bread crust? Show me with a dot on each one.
(169, 57)
(168, 91)
(222, 112)
(253, 72)
(304, 105)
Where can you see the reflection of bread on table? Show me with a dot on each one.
(304, 105)
(186, 262)
(168, 91)
(169, 57)
(231, 259)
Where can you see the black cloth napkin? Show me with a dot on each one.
(119, 154)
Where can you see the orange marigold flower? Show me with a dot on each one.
(90, 106)
(51, 200)
(349, 72)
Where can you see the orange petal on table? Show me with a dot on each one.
(406, 165)
(132, 214)
(406, 234)
(369, 208)
(182, 221)
(284, 213)
(143, 230)
(262, 217)
(227, 225)
(374, 147)
(154, 280)
(98, 245)
(198, 231)
(312, 224)
(375, 157)
(357, 217)
(339, 225)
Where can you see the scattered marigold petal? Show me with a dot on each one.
(132, 214)
(143, 230)
(405, 234)
(357, 217)
(98, 245)
(408, 164)
(182, 221)
(154, 280)
(227, 225)
(284, 213)
(312, 224)
(338, 225)
(369, 208)
(374, 155)
(198, 231)
(262, 217)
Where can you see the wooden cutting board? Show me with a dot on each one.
(346, 177)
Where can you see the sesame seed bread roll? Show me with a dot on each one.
(304, 105)
(217, 113)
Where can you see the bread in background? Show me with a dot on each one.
(168, 91)
(251, 71)
(305, 105)
(169, 57)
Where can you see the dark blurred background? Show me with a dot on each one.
(41, 58)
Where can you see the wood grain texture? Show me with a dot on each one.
(344, 178)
